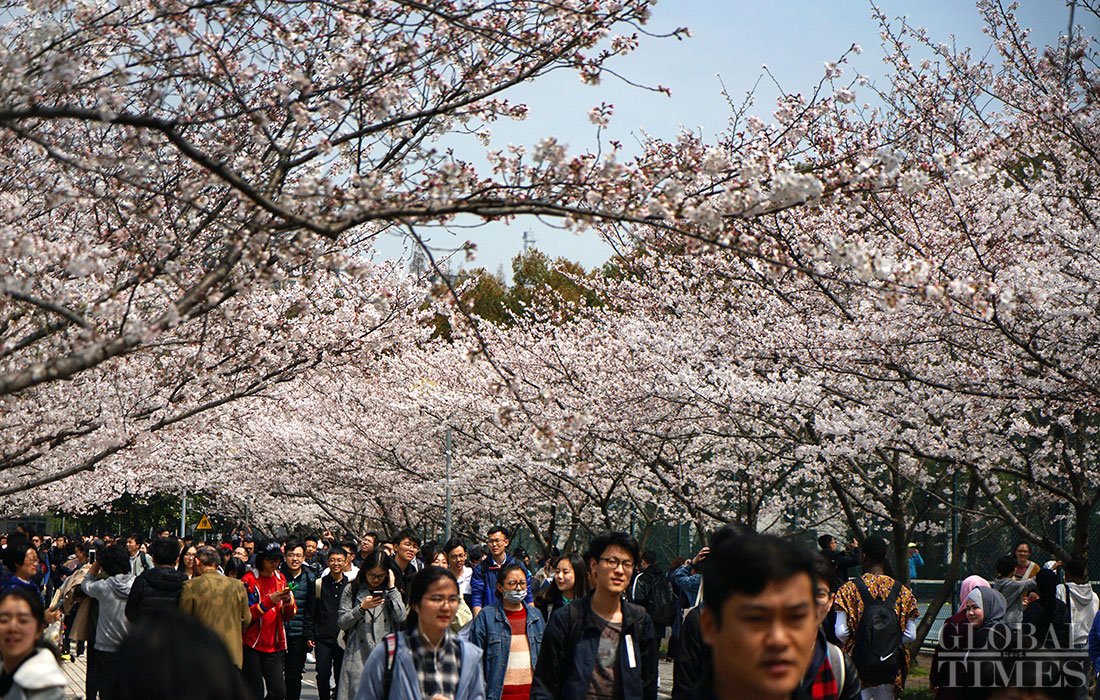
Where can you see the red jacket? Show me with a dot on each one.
(266, 632)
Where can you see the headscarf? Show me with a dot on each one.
(970, 583)
(993, 605)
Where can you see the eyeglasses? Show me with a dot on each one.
(497, 540)
(443, 600)
(375, 576)
(616, 563)
(515, 585)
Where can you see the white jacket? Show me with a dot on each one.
(1083, 605)
(38, 678)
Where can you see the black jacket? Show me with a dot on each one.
(327, 611)
(571, 642)
(154, 590)
(841, 561)
(693, 666)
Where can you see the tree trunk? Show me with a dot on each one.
(948, 587)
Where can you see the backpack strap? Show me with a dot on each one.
(391, 654)
(836, 663)
(895, 593)
(863, 590)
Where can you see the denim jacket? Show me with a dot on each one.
(406, 684)
(492, 632)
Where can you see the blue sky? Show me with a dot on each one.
(732, 39)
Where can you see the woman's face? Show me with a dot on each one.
(440, 560)
(29, 567)
(514, 581)
(438, 606)
(376, 578)
(564, 576)
(1023, 554)
(974, 614)
(18, 628)
(189, 557)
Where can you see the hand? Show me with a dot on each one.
(280, 596)
(93, 571)
(701, 556)
(52, 616)
(310, 643)
(372, 602)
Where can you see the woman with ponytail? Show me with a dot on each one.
(427, 659)
(30, 668)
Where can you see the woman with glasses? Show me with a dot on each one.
(426, 660)
(509, 633)
(370, 608)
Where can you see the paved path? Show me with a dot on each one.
(76, 668)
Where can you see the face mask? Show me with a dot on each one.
(515, 596)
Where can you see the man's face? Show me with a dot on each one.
(294, 558)
(456, 558)
(366, 545)
(132, 546)
(498, 544)
(240, 553)
(250, 547)
(406, 550)
(311, 548)
(336, 562)
(613, 569)
(764, 642)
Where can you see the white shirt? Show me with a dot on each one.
(464, 580)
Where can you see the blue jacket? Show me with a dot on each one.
(1094, 644)
(915, 560)
(493, 633)
(687, 582)
(571, 643)
(405, 685)
(483, 582)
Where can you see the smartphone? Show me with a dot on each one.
(91, 556)
(377, 594)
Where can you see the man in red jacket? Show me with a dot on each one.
(271, 604)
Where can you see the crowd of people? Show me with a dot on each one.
(376, 618)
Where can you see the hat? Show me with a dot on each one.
(912, 544)
(270, 549)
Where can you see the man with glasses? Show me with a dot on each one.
(455, 550)
(483, 580)
(600, 647)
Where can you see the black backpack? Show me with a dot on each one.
(878, 652)
(662, 602)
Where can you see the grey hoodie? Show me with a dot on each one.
(111, 594)
(1013, 591)
(1083, 606)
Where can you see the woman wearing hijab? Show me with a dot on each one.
(990, 640)
(951, 640)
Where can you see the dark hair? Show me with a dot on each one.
(507, 569)
(166, 550)
(1017, 546)
(431, 553)
(349, 546)
(406, 534)
(337, 550)
(234, 568)
(747, 564)
(1005, 565)
(476, 553)
(728, 532)
(649, 557)
(824, 571)
(612, 538)
(501, 529)
(676, 563)
(372, 534)
(874, 548)
(115, 560)
(313, 538)
(420, 585)
(1074, 568)
(550, 596)
(136, 537)
(38, 612)
(824, 541)
(292, 543)
(453, 544)
(378, 559)
(190, 645)
(15, 554)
